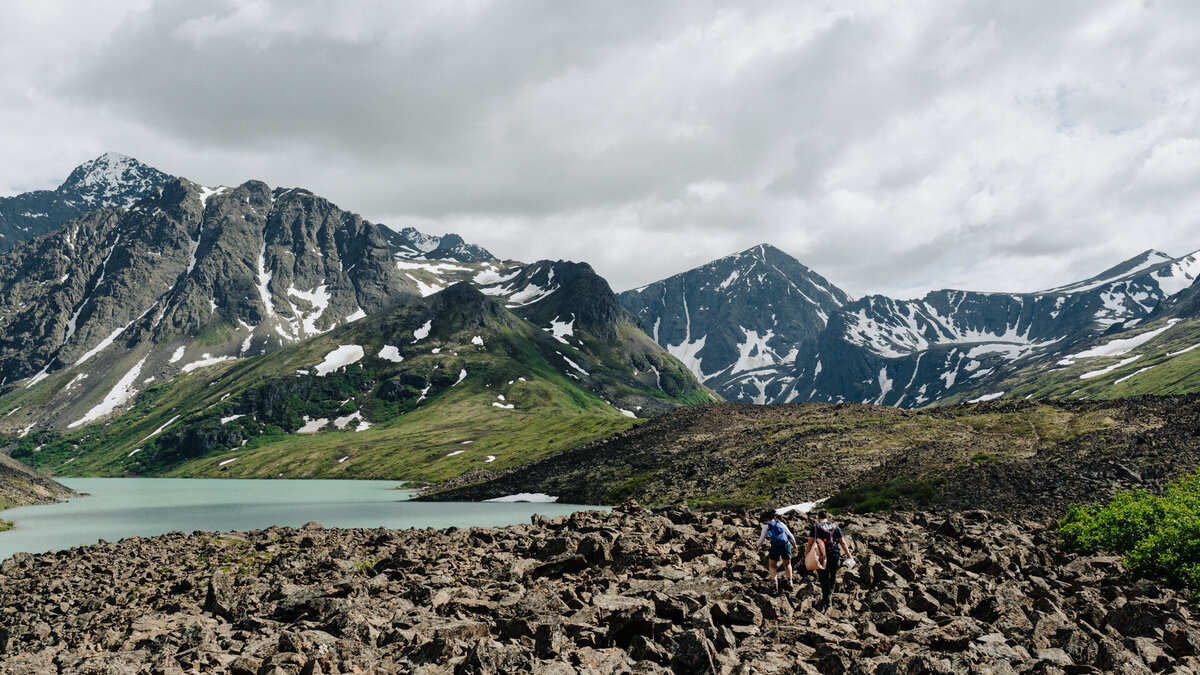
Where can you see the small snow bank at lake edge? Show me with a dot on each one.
(530, 497)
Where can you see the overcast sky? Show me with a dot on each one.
(894, 147)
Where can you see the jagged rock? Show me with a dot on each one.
(694, 654)
(300, 605)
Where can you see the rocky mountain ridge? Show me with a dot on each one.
(632, 591)
(111, 180)
(188, 276)
(760, 327)
(415, 245)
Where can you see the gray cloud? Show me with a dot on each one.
(894, 148)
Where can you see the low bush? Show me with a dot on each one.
(1157, 535)
(884, 496)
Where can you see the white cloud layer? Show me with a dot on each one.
(892, 147)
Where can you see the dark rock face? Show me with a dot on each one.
(632, 591)
(213, 273)
(736, 321)
(111, 180)
(578, 295)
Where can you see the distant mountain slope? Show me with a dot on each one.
(1159, 357)
(413, 245)
(760, 327)
(110, 180)
(915, 352)
(427, 390)
(738, 322)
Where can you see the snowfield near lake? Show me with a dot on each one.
(802, 507)
(339, 358)
(530, 497)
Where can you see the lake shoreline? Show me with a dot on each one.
(118, 508)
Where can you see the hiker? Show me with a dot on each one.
(782, 541)
(827, 538)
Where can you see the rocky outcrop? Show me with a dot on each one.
(632, 591)
(22, 486)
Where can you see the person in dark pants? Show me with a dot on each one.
(831, 535)
(782, 540)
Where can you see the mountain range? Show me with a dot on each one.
(165, 284)
(124, 309)
(760, 327)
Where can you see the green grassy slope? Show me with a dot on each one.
(742, 455)
(1167, 364)
(420, 410)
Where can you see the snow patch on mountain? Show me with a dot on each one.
(1119, 346)
(339, 358)
(206, 360)
(120, 394)
(1108, 369)
(318, 299)
(264, 281)
(561, 330)
(423, 332)
(391, 353)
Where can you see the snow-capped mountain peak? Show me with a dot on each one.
(112, 179)
(736, 321)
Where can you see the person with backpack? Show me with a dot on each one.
(822, 554)
(782, 541)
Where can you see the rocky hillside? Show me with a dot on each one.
(671, 592)
(20, 486)
(1034, 457)
(444, 384)
(111, 180)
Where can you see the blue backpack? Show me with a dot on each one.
(776, 532)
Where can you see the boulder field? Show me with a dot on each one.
(631, 591)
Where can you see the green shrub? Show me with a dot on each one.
(883, 496)
(1157, 535)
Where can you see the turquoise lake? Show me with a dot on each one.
(124, 507)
